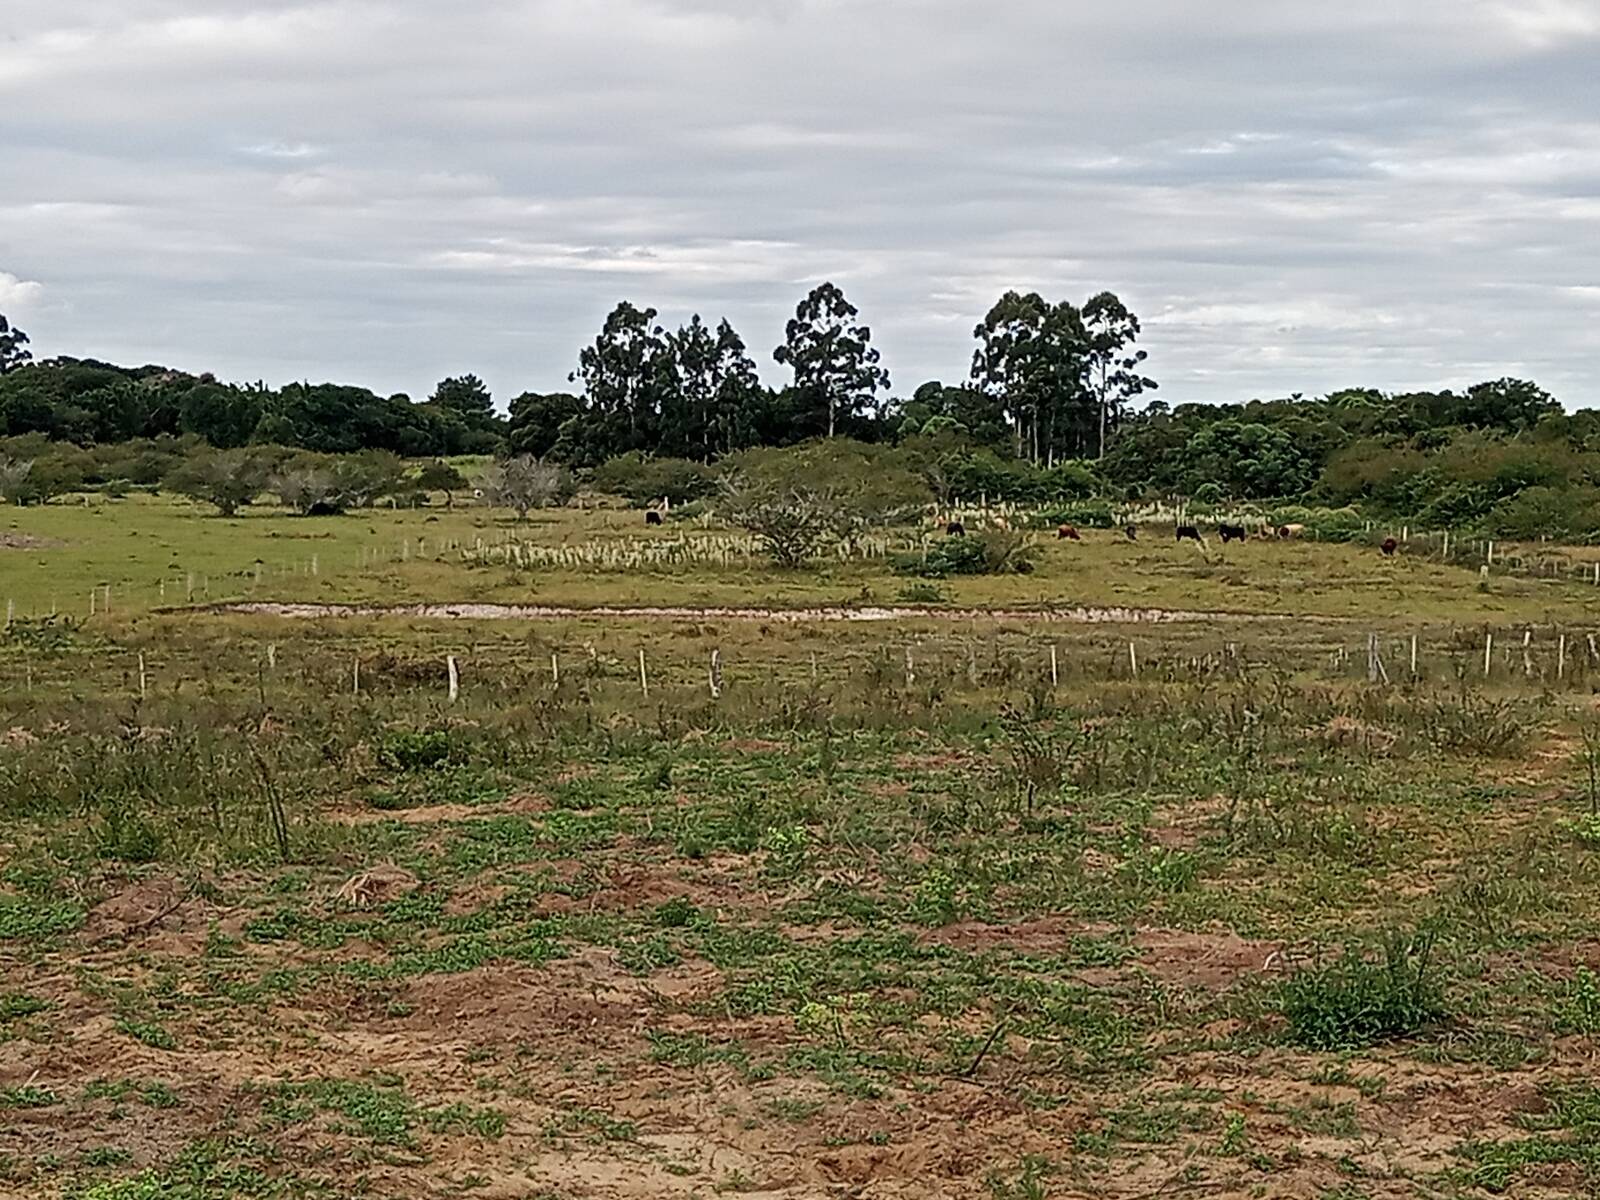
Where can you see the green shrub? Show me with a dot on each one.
(994, 552)
(416, 750)
(1358, 1001)
(643, 479)
(1578, 1007)
(1085, 514)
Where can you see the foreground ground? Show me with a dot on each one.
(970, 909)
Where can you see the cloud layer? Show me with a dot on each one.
(1294, 197)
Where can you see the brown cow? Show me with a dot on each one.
(1389, 547)
(1067, 534)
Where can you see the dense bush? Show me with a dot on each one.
(646, 480)
(994, 552)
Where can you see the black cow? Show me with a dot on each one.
(1189, 533)
(1132, 531)
(1232, 533)
(652, 517)
(1389, 547)
(955, 529)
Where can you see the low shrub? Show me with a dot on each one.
(1359, 1001)
(994, 552)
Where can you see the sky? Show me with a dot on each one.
(1294, 197)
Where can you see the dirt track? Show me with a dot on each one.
(836, 613)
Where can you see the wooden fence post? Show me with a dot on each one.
(454, 677)
(716, 674)
(644, 678)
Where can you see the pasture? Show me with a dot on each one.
(948, 905)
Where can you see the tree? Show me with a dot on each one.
(468, 398)
(365, 478)
(224, 416)
(309, 485)
(536, 421)
(14, 473)
(228, 479)
(709, 408)
(524, 482)
(791, 524)
(1031, 358)
(440, 476)
(834, 362)
(1112, 370)
(14, 350)
(625, 374)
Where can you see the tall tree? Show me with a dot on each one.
(708, 409)
(14, 350)
(1111, 363)
(536, 421)
(624, 375)
(834, 362)
(468, 398)
(1031, 357)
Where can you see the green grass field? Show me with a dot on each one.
(958, 908)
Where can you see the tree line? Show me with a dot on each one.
(1046, 415)
(1049, 381)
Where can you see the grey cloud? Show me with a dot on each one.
(1294, 197)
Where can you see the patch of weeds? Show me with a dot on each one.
(415, 750)
(675, 913)
(694, 1050)
(1568, 1133)
(938, 900)
(1155, 1123)
(787, 847)
(150, 1092)
(487, 1123)
(1357, 1002)
(27, 1097)
(237, 1168)
(1235, 1136)
(105, 1156)
(1027, 1183)
(151, 1033)
(648, 954)
(1578, 1005)
(923, 593)
(1160, 869)
(600, 1126)
(794, 1111)
(1585, 830)
(16, 1005)
(34, 919)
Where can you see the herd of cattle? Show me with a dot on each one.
(1185, 533)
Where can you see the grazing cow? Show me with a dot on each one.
(652, 517)
(1189, 533)
(955, 529)
(1389, 547)
(1232, 533)
(1132, 531)
(1067, 534)
(1290, 531)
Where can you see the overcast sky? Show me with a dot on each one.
(1293, 196)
